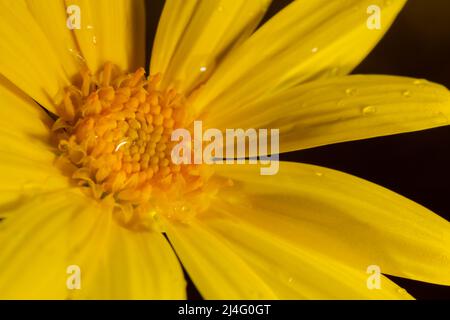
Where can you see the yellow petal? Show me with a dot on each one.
(295, 272)
(217, 271)
(343, 217)
(305, 41)
(193, 35)
(228, 258)
(26, 155)
(111, 30)
(47, 235)
(136, 265)
(41, 238)
(27, 57)
(343, 109)
(51, 16)
(174, 19)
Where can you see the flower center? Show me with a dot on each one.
(114, 131)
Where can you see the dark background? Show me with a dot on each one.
(416, 165)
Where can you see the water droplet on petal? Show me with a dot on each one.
(406, 93)
(314, 50)
(77, 55)
(319, 174)
(181, 208)
(94, 40)
(350, 91)
(420, 82)
(341, 103)
(369, 110)
(334, 71)
(203, 69)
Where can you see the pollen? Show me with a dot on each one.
(114, 131)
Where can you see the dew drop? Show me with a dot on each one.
(319, 174)
(350, 91)
(369, 110)
(406, 93)
(94, 40)
(334, 71)
(181, 208)
(314, 50)
(203, 69)
(419, 82)
(77, 55)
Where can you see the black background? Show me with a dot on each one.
(415, 165)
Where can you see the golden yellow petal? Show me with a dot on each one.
(307, 40)
(193, 35)
(51, 16)
(111, 30)
(136, 265)
(26, 155)
(228, 258)
(342, 217)
(50, 238)
(217, 270)
(295, 272)
(27, 57)
(42, 238)
(343, 109)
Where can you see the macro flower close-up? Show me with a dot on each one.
(122, 172)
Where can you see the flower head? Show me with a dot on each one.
(89, 178)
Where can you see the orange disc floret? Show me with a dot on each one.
(116, 134)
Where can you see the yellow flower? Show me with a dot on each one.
(69, 200)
